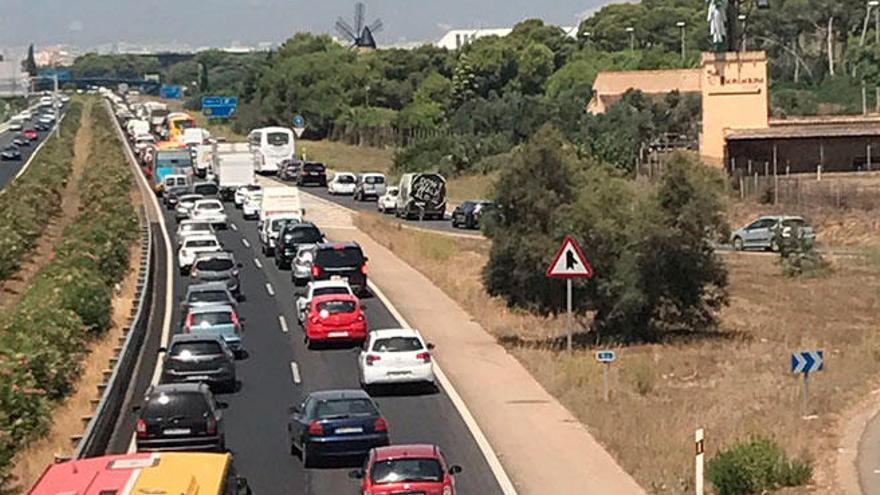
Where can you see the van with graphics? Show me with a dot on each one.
(422, 196)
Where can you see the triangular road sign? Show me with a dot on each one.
(570, 262)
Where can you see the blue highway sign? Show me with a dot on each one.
(807, 361)
(219, 107)
(171, 92)
(299, 121)
(605, 356)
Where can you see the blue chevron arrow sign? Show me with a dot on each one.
(807, 361)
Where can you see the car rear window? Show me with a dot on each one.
(401, 470)
(397, 344)
(794, 222)
(335, 307)
(303, 235)
(330, 290)
(209, 296)
(187, 227)
(212, 318)
(210, 206)
(373, 179)
(313, 167)
(345, 407)
(215, 264)
(206, 189)
(198, 348)
(198, 243)
(279, 224)
(338, 258)
(345, 179)
(188, 404)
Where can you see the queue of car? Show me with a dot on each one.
(29, 126)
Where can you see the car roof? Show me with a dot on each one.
(212, 308)
(206, 286)
(226, 255)
(209, 200)
(407, 451)
(338, 245)
(372, 174)
(334, 297)
(322, 284)
(300, 225)
(194, 337)
(202, 237)
(395, 332)
(339, 394)
(169, 388)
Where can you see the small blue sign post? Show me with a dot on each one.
(219, 107)
(803, 363)
(299, 125)
(606, 357)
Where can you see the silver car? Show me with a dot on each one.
(760, 233)
(301, 265)
(206, 294)
(369, 186)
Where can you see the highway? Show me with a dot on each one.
(8, 169)
(279, 371)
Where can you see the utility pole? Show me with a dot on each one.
(632, 37)
(681, 26)
(742, 19)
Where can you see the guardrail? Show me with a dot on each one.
(100, 425)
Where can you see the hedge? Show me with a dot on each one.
(29, 202)
(43, 338)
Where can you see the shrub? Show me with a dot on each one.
(756, 466)
(798, 255)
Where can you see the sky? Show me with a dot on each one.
(89, 23)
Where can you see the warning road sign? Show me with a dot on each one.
(570, 262)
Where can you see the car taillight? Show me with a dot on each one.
(316, 271)
(424, 356)
(141, 428)
(364, 268)
(372, 358)
(194, 272)
(235, 321)
(187, 326)
(447, 490)
(315, 428)
(380, 425)
(211, 426)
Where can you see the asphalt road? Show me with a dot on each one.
(256, 420)
(8, 169)
(444, 225)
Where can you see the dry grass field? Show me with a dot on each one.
(734, 383)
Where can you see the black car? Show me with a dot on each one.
(289, 240)
(42, 126)
(336, 423)
(468, 214)
(21, 141)
(192, 358)
(344, 260)
(312, 173)
(11, 152)
(180, 416)
(172, 195)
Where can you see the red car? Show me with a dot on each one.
(418, 468)
(335, 317)
(31, 134)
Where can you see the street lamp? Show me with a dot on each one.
(871, 3)
(874, 4)
(742, 20)
(588, 35)
(632, 37)
(681, 26)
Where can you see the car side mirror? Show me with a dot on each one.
(366, 259)
(431, 346)
(293, 409)
(242, 487)
(222, 405)
(242, 319)
(356, 474)
(162, 350)
(135, 409)
(240, 264)
(455, 469)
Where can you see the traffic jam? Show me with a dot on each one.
(212, 195)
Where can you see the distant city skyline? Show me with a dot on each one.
(90, 24)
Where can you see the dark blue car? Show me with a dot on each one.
(336, 423)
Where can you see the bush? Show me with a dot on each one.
(798, 255)
(756, 466)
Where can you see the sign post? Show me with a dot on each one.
(299, 125)
(606, 358)
(698, 461)
(569, 263)
(804, 362)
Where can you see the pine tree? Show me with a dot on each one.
(31, 62)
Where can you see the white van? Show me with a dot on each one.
(271, 146)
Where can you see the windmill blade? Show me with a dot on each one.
(345, 30)
(366, 40)
(376, 26)
(360, 11)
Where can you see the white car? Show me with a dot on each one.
(394, 356)
(320, 288)
(194, 245)
(342, 183)
(26, 115)
(15, 125)
(210, 211)
(188, 228)
(242, 192)
(387, 202)
(251, 206)
(271, 227)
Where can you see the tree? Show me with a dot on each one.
(30, 64)
(535, 65)
(203, 77)
(464, 81)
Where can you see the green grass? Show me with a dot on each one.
(470, 187)
(341, 156)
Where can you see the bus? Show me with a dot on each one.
(271, 146)
(177, 123)
(184, 473)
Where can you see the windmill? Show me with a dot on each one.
(361, 35)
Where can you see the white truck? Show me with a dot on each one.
(233, 167)
(156, 113)
(135, 127)
(279, 206)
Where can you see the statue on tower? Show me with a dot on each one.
(717, 18)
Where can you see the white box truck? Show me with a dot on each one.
(233, 167)
(280, 205)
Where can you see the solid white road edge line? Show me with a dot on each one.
(169, 261)
(294, 370)
(269, 289)
(245, 242)
(283, 322)
(257, 262)
(488, 453)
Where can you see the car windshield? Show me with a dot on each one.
(206, 189)
(254, 187)
(210, 206)
(345, 179)
(336, 307)
(374, 179)
(344, 407)
(212, 318)
(398, 470)
(338, 258)
(397, 344)
(304, 235)
(323, 291)
(313, 167)
(166, 405)
(277, 138)
(215, 264)
(199, 348)
(199, 243)
(189, 227)
(209, 296)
